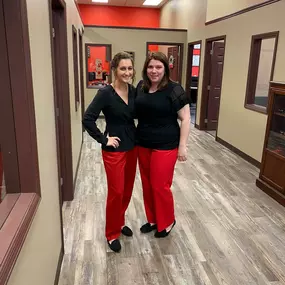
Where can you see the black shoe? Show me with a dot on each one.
(126, 231)
(164, 233)
(147, 228)
(115, 245)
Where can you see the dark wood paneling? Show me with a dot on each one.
(271, 178)
(257, 6)
(274, 170)
(279, 197)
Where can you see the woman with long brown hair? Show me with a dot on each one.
(159, 103)
(119, 153)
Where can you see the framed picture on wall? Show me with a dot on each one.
(132, 53)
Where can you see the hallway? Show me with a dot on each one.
(227, 232)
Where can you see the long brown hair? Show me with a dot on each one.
(165, 79)
(116, 61)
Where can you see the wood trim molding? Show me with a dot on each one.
(253, 69)
(197, 126)
(239, 152)
(268, 189)
(136, 28)
(189, 70)
(14, 232)
(240, 12)
(59, 264)
(6, 207)
(77, 167)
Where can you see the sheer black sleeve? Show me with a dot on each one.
(91, 115)
(178, 97)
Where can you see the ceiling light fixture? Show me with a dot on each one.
(100, 1)
(152, 2)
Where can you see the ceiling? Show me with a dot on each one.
(125, 3)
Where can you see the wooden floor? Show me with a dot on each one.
(227, 232)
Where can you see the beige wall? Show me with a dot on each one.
(130, 40)
(73, 18)
(185, 14)
(220, 8)
(164, 49)
(240, 127)
(37, 262)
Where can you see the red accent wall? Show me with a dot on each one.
(153, 48)
(119, 16)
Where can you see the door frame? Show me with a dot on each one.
(82, 87)
(180, 45)
(206, 82)
(62, 100)
(189, 70)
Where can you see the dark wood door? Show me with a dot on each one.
(216, 75)
(174, 68)
(62, 101)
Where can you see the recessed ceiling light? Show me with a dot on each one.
(100, 1)
(152, 2)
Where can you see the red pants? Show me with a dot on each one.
(120, 170)
(157, 169)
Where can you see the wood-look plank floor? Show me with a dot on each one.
(227, 232)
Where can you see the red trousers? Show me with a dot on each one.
(120, 171)
(157, 169)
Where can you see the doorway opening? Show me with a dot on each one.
(212, 84)
(58, 28)
(192, 79)
(174, 53)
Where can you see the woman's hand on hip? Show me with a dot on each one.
(113, 141)
(182, 153)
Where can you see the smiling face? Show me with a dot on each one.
(125, 71)
(155, 71)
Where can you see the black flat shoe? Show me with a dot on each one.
(115, 245)
(147, 228)
(126, 231)
(164, 233)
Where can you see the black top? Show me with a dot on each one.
(118, 115)
(158, 127)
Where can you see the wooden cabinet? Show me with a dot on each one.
(272, 173)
